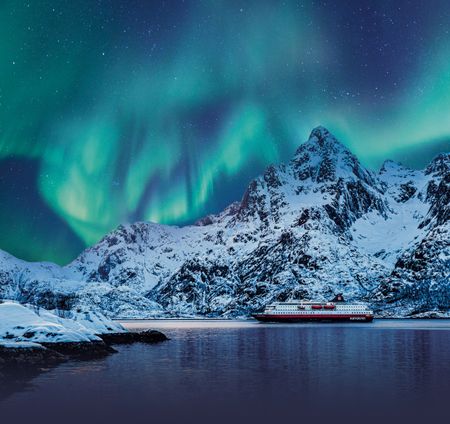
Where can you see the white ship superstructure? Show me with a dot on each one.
(337, 310)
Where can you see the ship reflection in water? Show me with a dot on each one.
(214, 372)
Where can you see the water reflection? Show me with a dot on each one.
(236, 372)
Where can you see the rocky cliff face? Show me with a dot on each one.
(420, 281)
(317, 225)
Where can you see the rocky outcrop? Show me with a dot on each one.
(28, 355)
(147, 336)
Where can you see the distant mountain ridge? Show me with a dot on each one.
(318, 225)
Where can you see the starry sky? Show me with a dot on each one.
(117, 111)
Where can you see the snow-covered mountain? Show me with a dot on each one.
(318, 225)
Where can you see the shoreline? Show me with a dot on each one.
(19, 354)
(256, 321)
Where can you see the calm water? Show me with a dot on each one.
(215, 371)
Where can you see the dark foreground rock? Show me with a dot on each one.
(54, 353)
(81, 350)
(148, 336)
(29, 356)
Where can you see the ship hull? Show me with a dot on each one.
(313, 318)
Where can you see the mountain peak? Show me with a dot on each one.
(322, 137)
(321, 133)
(323, 158)
(390, 165)
(440, 165)
(324, 143)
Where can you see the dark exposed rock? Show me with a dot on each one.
(81, 350)
(271, 177)
(407, 191)
(439, 166)
(148, 336)
(47, 299)
(335, 217)
(29, 356)
(439, 197)
(304, 217)
(54, 353)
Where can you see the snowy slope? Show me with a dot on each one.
(387, 238)
(420, 281)
(317, 225)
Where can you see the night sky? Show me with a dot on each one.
(118, 111)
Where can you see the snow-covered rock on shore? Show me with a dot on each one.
(26, 326)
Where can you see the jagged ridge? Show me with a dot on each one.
(317, 225)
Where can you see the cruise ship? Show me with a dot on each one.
(299, 311)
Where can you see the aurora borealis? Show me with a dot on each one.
(118, 111)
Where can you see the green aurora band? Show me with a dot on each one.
(169, 123)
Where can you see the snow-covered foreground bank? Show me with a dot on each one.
(30, 335)
(27, 324)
